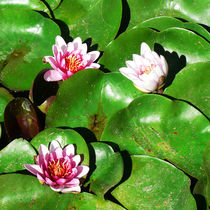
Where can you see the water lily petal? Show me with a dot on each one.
(57, 153)
(72, 183)
(164, 65)
(52, 75)
(57, 188)
(43, 155)
(76, 159)
(144, 48)
(82, 171)
(53, 145)
(77, 42)
(49, 181)
(60, 43)
(69, 150)
(51, 60)
(61, 181)
(93, 66)
(129, 73)
(76, 189)
(33, 168)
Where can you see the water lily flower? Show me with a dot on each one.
(147, 71)
(59, 168)
(69, 59)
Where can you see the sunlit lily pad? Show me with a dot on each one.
(95, 20)
(15, 154)
(167, 129)
(155, 184)
(24, 40)
(89, 98)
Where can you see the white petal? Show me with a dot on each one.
(69, 150)
(56, 188)
(60, 43)
(33, 168)
(82, 171)
(53, 75)
(131, 65)
(93, 55)
(129, 73)
(144, 48)
(53, 145)
(93, 66)
(76, 159)
(71, 190)
(84, 49)
(77, 42)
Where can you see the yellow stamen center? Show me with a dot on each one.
(73, 63)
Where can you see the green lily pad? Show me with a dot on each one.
(207, 169)
(182, 41)
(164, 128)
(15, 154)
(5, 98)
(164, 22)
(64, 137)
(24, 41)
(89, 98)
(30, 194)
(29, 4)
(97, 20)
(198, 92)
(189, 10)
(109, 169)
(155, 184)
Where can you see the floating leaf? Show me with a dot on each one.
(97, 21)
(5, 98)
(109, 169)
(155, 184)
(182, 41)
(184, 9)
(24, 41)
(15, 154)
(89, 98)
(167, 129)
(192, 84)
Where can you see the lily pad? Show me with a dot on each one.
(5, 98)
(30, 194)
(64, 137)
(96, 21)
(198, 92)
(189, 10)
(168, 129)
(155, 184)
(164, 22)
(89, 98)
(29, 4)
(15, 154)
(179, 40)
(24, 41)
(109, 169)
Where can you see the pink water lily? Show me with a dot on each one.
(59, 168)
(69, 59)
(147, 71)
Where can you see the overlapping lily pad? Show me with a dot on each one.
(89, 98)
(95, 20)
(191, 84)
(29, 4)
(25, 38)
(189, 10)
(107, 163)
(182, 41)
(36, 196)
(167, 129)
(15, 154)
(5, 98)
(64, 137)
(155, 184)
